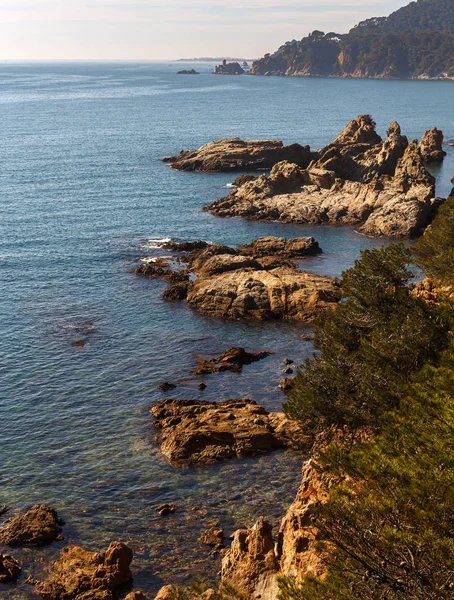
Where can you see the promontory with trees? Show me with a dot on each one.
(415, 42)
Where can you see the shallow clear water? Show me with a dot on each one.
(82, 187)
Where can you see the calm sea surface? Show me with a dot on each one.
(82, 191)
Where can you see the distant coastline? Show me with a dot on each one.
(216, 59)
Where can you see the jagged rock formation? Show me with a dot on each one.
(188, 72)
(39, 526)
(255, 281)
(235, 154)
(256, 558)
(197, 431)
(415, 42)
(382, 186)
(231, 360)
(229, 68)
(9, 569)
(82, 575)
(431, 146)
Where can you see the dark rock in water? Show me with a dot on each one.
(83, 575)
(9, 569)
(231, 360)
(286, 384)
(232, 68)
(202, 386)
(165, 386)
(177, 291)
(185, 246)
(188, 72)
(431, 146)
(288, 371)
(381, 186)
(288, 361)
(197, 431)
(39, 526)
(154, 268)
(165, 509)
(234, 154)
(213, 537)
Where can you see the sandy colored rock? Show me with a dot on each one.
(431, 146)
(264, 294)
(213, 537)
(234, 154)
(136, 595)
(197, 431)
(380, 186)
(82, 575)
(251, 565)
(231, 360)
(9, 569)
(277, 246)
(39, 526)
(167, 592)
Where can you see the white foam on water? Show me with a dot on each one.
(156, 243)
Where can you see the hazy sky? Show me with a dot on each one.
(154, 29)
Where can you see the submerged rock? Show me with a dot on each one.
(231, 360)
(234, 154)
(39, 526)
(82, 575)
(9, 569)
(431, 146)
(197, 431)
(381, 186)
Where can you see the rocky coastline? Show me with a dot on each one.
(380, 186)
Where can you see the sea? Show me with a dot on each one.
(84, 343)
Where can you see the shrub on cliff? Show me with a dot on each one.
(369, 347)
(391, 533)
(434, 251)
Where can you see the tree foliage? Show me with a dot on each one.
(392, 532)
(369, 347)
(434, 251)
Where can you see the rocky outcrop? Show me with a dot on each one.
(213, 537)
(431, 146)
(188, 72)
(229, 68)
(197, 431)
(382, 187)
(82, 575)
(251, 565)
(231, 360)
(39, 526)
(255, 281)
(9, 569)
(282, 292)
(256, 558)
(235, 154)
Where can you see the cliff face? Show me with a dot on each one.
(415, 42)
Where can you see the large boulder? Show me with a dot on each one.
(277, 246)
(382, 187)
(283, 292)
(82, 575)
(9, 569)
(431, 146)
(39, 526)
(197, 431)
(235, 154)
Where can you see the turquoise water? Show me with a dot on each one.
(82, 190)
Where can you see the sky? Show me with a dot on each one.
(169, 29)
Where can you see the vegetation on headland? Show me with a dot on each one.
(417, 41)
(389, 531)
